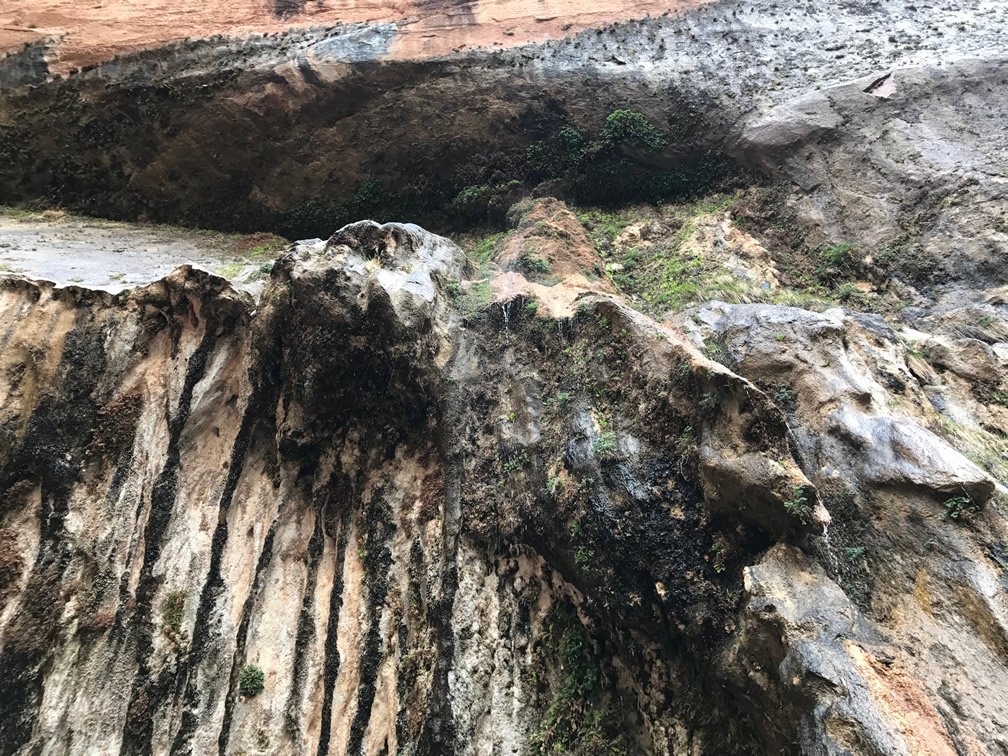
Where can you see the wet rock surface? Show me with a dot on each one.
(730, 86)
(713, 475)
(438, 529)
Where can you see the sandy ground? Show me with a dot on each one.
(91, 32)
(113, 256)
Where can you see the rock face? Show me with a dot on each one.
(307, 130)
(720, 473)
(72, 36)
(440, 526)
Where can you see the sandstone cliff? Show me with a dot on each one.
(441, 526)
(691, 442)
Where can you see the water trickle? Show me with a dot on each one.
(828, 548)
(506, 309)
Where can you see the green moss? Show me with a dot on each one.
(478, 256)
(273, 245)
(173, 610)
(230, 270)
(474, 301)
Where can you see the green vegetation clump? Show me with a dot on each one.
(785, 398)
(251, 681)
(717, 351)
(516, 463)
(561, 399)
(173, 611)
(530, 262)
(667, 272)
(960, 507)
(574, 723)
(230, 270)
(632, 128)
(476, 300)
(478, 258)
(797, 505)
(836, 261)
(485, 202)
(605, 445)
(172, 615)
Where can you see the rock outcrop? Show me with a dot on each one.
(697, 448)
(440, 525)
(897, 136)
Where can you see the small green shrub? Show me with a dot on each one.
(605, 445)
(532, 263)
(516, 463)
(559, 400)
(835, 259)
(960, 507)
(797, 505)
(633, 128)
(855, 553)
(251, 681)
(846, 290)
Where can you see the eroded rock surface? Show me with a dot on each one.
(717, 467)
(442, 525)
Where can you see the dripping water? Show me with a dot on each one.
(831, 557)
(506, 310)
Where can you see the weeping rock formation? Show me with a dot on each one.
(879, 110)
(440, 527)
(692, 442)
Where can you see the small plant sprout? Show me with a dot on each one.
(960, 507)
(797, 505)
(605, 445)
